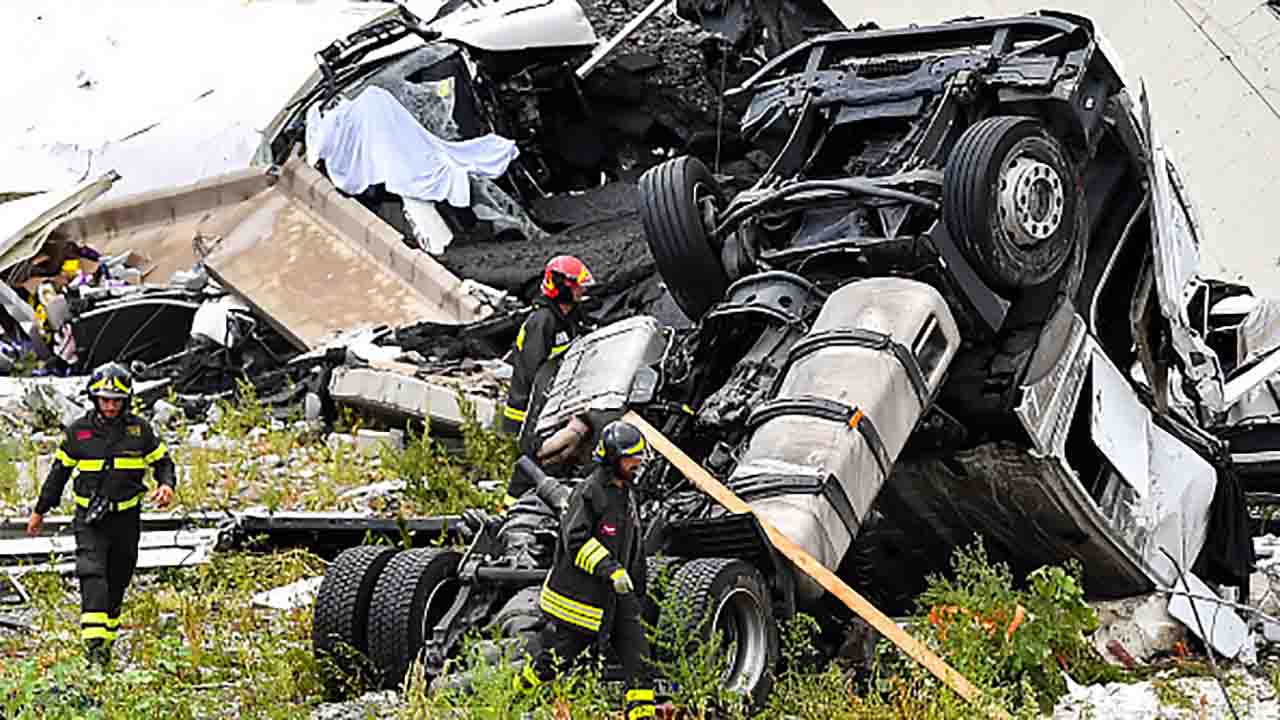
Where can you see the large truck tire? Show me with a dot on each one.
(342, 603)
(678, 202)
(414, 591)
(1012, 202)
(732, 598)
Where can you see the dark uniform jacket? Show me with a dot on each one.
(545, 334)
(107, 457)
(599, 533)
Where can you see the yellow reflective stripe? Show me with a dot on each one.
(129, 464)
(640, 696)
(557, 349)
(99, 385)
(154, 456)
(634, 448)
(514, 413)
(131, 502)
(94, 618)
(65, 459)
(113, 623)
(590, 555)
(570, 617)
(82, 501)
(120, 385)
(531, 676)
(582, 608)
(574, 613)
(96, 633)
(520, 336)
(644, 711)
(90, 465)
(617, 573)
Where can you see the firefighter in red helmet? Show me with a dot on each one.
(554, 323)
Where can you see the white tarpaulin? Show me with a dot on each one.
(164, 93)
(373, 139)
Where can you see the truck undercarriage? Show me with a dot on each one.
(920, 326)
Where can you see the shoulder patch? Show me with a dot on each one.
(608, 529)
(84, 434)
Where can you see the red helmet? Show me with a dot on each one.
(563, 273)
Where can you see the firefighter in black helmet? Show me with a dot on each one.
(598, 576)
(108, 452)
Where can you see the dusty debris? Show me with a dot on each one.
(1140, 627)
(370, 706)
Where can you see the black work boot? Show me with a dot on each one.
(99, 652)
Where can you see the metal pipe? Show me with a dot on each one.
(849, 186)
(600, 52)
(511, 576)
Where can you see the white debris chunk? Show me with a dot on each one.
(287, 597)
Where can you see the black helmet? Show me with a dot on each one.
(112, 380)
(618, 440)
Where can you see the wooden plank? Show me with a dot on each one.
(704, 480)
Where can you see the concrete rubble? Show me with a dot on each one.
(1172, 699)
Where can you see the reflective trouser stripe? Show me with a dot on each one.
(512, 413)
(640, 695)
(96, 632)
(94, 618)
(642, 711)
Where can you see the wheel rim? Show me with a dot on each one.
(438, 602)
(744, 636)
(1031, 202)
(704, 198)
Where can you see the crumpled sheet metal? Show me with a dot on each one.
(1260, 331)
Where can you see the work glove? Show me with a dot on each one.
(622, 582)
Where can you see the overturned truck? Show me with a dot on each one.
(956, 305)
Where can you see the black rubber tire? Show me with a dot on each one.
(706, 585)
(678, 238)
(342, 603)
(396, 617)
(971, 188)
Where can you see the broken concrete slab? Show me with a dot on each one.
(182, 548)
(279, 235)
(403, 394)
